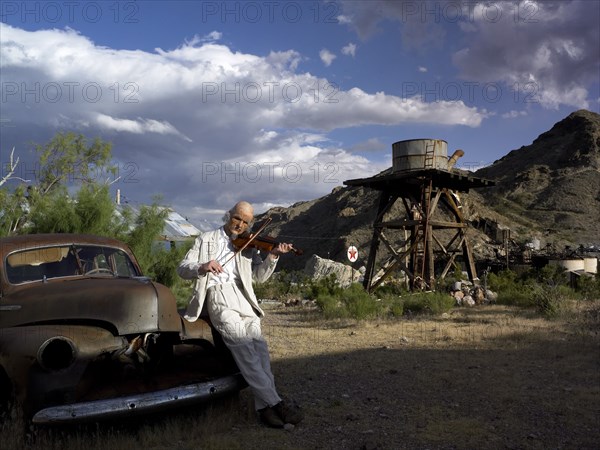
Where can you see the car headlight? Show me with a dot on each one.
(56, 353)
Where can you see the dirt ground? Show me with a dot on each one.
(488, 377)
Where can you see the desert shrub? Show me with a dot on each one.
(282, 285)
(325, 286)
(552, 275)
(273, 288)
(551, 301)
(522, 296)
(391, 305)
(506, 279)
(351, 302)
(545, 289)
(391, 288)
(331, 307)
(511, 289)
(413, 304)
(162, 266)
(397, 308)
(359, 303)
(588, 288)
(438, 302)
(551, 292)
(428, 302)
(183, 290)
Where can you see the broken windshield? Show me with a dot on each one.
(42, 263)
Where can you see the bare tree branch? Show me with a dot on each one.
(12, 167)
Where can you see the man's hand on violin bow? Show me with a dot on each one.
(212, 266)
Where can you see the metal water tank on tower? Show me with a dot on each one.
(419, 154)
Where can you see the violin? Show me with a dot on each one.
(266, 243)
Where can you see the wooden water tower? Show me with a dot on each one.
(432, 224)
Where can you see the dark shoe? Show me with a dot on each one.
(289, 413)
(269, 417)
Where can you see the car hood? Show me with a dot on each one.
(125, 305)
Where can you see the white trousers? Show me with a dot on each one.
(238, 324)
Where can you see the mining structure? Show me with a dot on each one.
(424, 179)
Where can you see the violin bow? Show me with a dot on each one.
(243, 247)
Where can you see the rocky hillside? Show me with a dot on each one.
(549, 190)
(553, 183)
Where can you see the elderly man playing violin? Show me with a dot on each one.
(224, 289)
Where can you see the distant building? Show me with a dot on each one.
(177, 228)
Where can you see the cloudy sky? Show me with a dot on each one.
(276, 102)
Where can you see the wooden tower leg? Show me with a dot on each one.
(469, 261)
(385, 203)
(430, 266)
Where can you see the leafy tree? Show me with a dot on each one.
(71, 195)
(13, 210)
(96, 211)
(46, 206)
(52, 213)
(69, 158)
(148, 226)
(91, 210)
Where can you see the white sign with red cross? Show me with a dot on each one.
(352, 253)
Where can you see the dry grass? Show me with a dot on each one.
(489, 377)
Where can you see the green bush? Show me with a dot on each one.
(325, 286)
(551, 301)
(413, 304)
(588, 288)
(511, 289)
(439, 302)
(429, 302)
(183, 291)
(522, 295)
(551, 292)
(353, 302)
(273, 288)
(331, 307)
(360, 304)
(283, 285)
(550, 274)
(397, 308)
(500, 281)
(545, 289)
(392, 305)
(391, 288)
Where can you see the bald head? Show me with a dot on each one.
(242, 207)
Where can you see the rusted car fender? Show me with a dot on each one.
(61, 352)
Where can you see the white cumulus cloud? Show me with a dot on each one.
(349, 50)
(200, 123)
(327, 57)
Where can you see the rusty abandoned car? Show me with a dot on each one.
(84, 336)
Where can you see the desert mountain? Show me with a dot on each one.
(548, 190)
(554, 182)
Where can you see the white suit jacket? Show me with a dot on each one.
(250, 266)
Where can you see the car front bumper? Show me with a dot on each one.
(138, 404)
